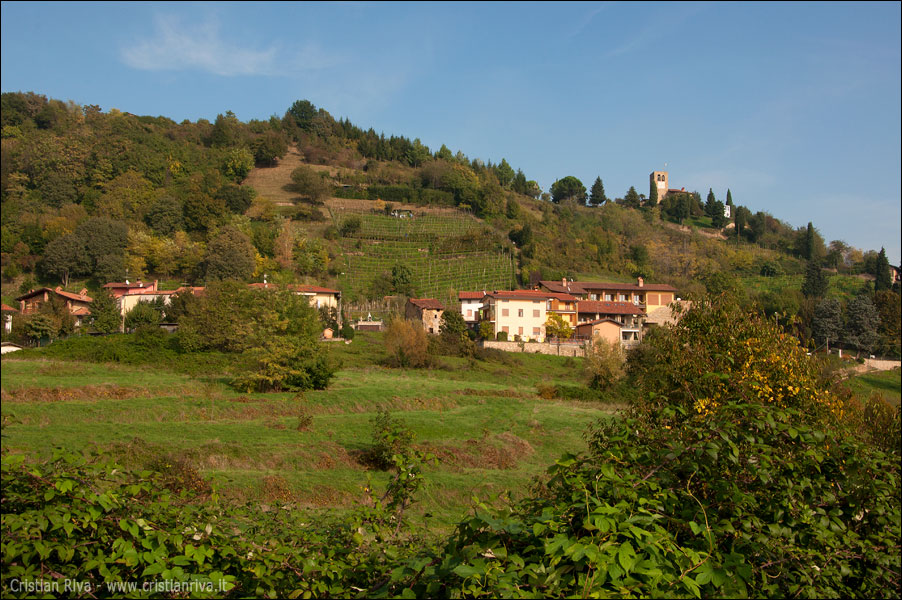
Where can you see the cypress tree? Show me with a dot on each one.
(882, 278)
(815, 284)
(596, 194)
(809, 242)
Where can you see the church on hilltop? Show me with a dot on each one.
(660, 182)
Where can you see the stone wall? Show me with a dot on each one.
(537, 348)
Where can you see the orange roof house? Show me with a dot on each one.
(78, 305)
(122, 288)
(647, 295)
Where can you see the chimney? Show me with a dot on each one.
(59, 288)
(126, 282)
(83, 292)
(564, 281)
(641, 282)
(155, 284)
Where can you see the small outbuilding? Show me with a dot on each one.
(427, 311)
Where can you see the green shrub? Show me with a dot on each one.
(732, 475)
(286, 364)
(391, 437)
(407, 344)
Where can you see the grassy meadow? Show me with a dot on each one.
(482, 419)
(888, 384)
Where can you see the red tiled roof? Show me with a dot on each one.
(572, 287)
(597, 321)
(8, 308)
(583, 287)
(470, 295)
(313, 289)
(68, 295)
(147, 292)
(608, 308)
(71, 296)
(531, 294)
(633, 287)
(119, 284)
(427, 303)
(196, 291)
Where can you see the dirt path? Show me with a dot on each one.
(703, 232)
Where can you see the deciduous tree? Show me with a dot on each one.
(230, 255)
(604, 363)
(568, 188)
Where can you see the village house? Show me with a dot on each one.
(646, 295)
(78, 305)
(119, 289)
(8, 312)
(523, 313)
(625, 313)
(470, 303)
(427, 311)
(318, 297)
(606, 329)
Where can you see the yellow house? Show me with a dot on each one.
(318, 296)
(645, 295)
(606, 329)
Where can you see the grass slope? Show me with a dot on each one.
(888, 384)
(483, 420)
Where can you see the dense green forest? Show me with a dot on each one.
(90, 197)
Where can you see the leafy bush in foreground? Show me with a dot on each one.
(735, 475)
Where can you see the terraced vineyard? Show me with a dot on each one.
(419, 228)
(428, 246)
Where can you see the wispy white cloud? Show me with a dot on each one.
(656, 26)
(176, 46)
(586, 20)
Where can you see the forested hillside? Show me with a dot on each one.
(91, 197)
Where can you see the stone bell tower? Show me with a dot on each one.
(659, 180)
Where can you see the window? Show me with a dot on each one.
(469, 313)
(519, 312)
(609, 297)
(505, 312)
(505, 329)
(519, 331)
(622, 297)
(536, 313)
(537, 331)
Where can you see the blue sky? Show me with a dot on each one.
(795, 107)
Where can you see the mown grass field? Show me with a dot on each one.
(886, 383)
(483, 420)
